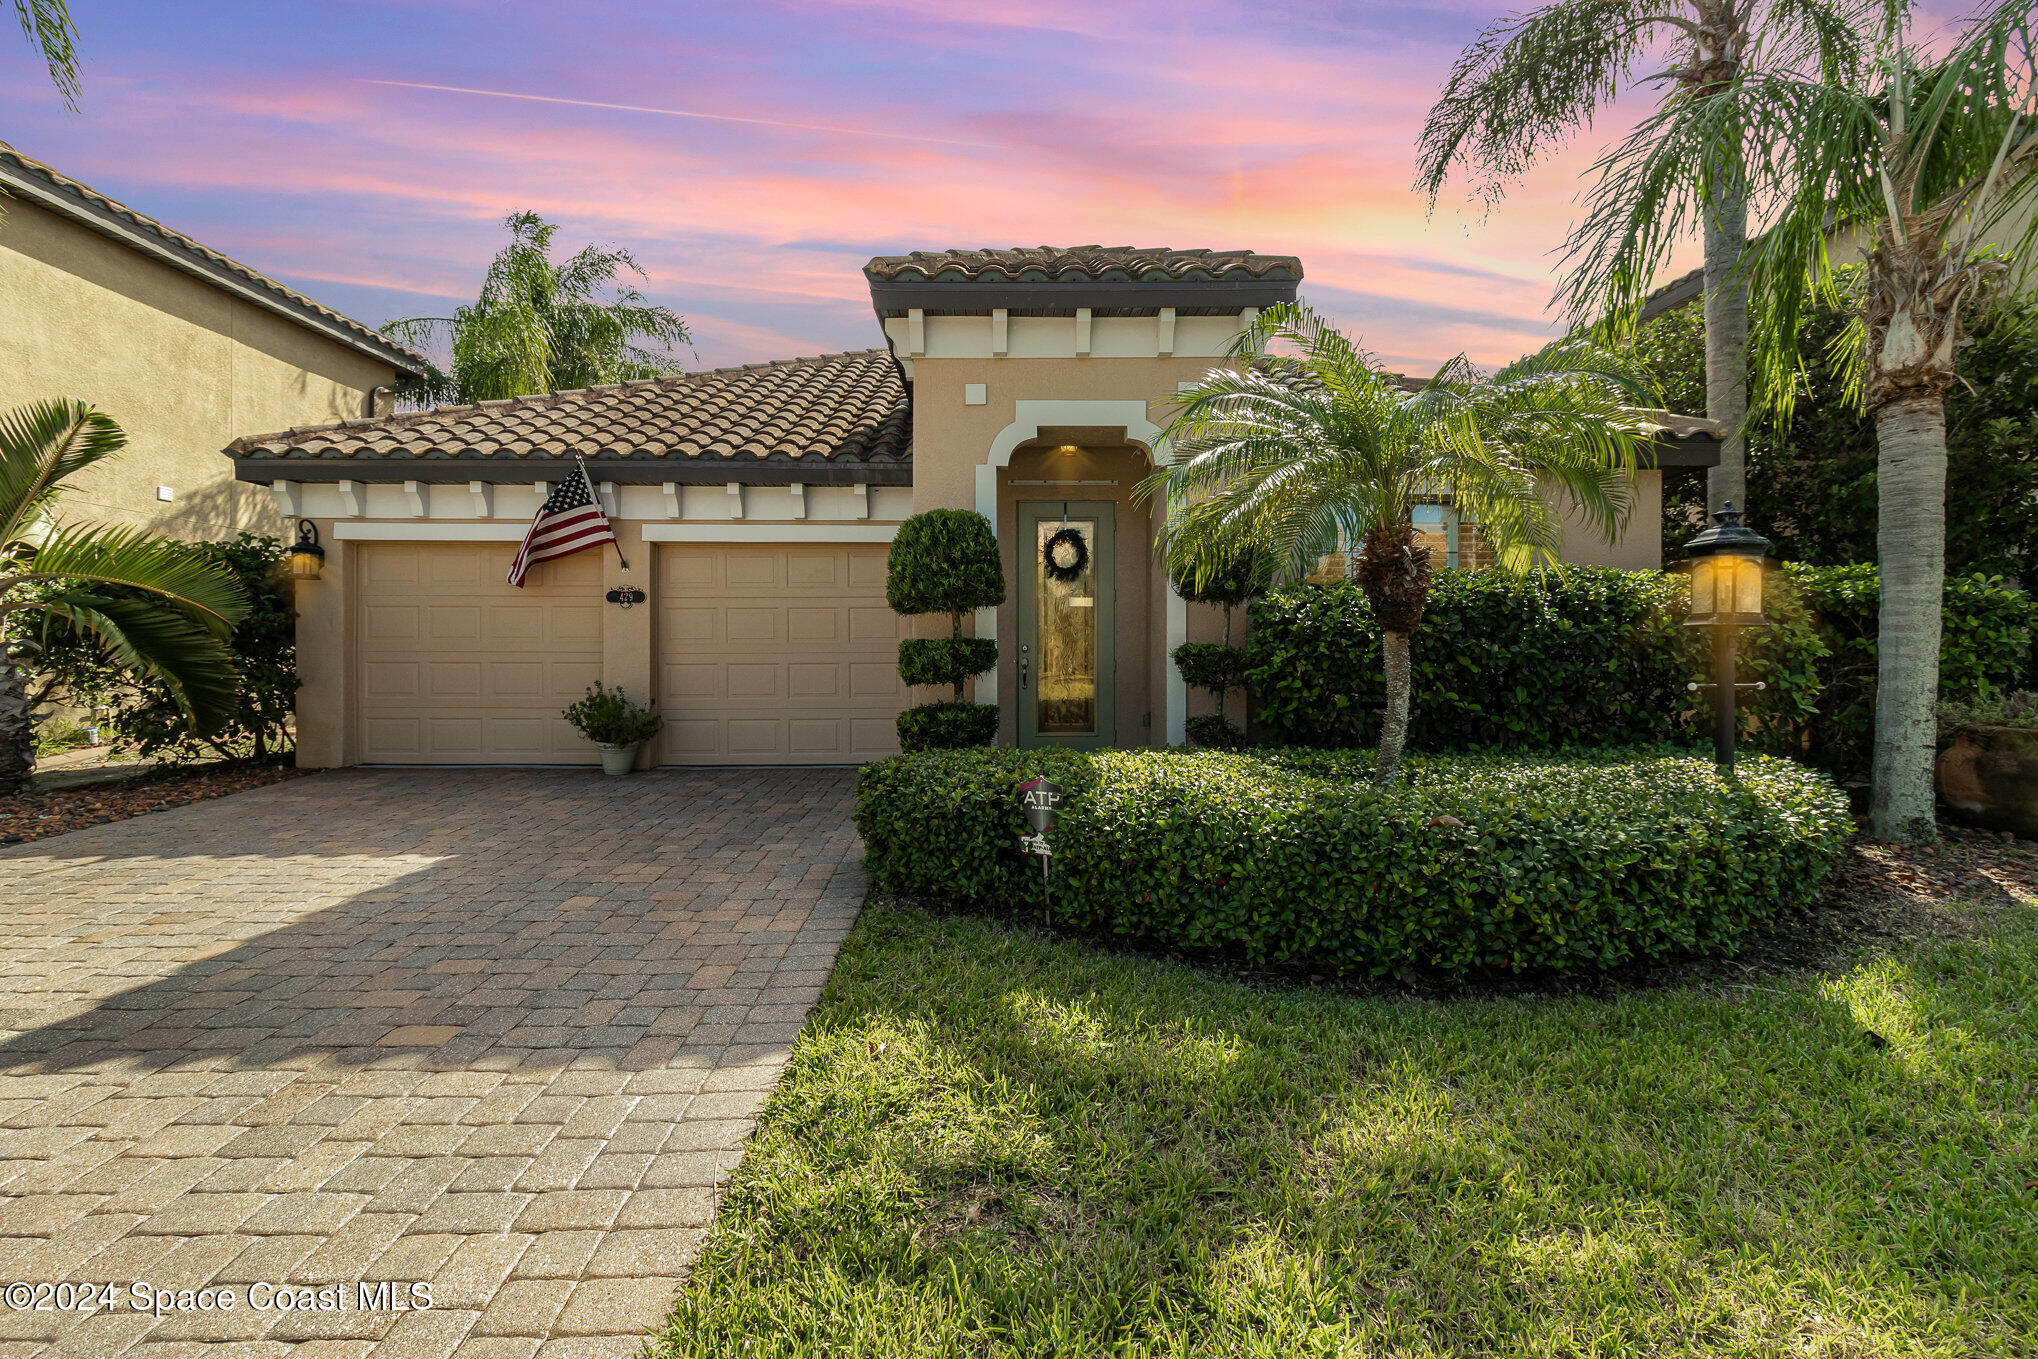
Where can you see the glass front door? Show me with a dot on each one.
(1066, 663)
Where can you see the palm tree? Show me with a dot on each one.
(1530, 80)
(56, 576)
(47, 26)
(1919, 156)
(1291, 456)
(542, 326)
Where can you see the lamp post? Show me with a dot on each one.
(1726, 596)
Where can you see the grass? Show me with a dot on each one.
(995, 1142)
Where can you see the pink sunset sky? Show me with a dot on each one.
(754, 155)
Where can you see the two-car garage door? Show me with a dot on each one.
(764, 654)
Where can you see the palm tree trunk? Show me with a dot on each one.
(1911, 541)
(1393, 722)
(17, 730)
(1726, 347)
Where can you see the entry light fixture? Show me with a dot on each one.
(306, 559)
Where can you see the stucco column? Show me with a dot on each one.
(628, 635)
(322, 657)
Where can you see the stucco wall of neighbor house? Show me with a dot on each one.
(184, 367)
(1639, 548)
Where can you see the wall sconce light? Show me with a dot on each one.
(306, 558)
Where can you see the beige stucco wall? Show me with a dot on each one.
(1640, 548)
(184, 367)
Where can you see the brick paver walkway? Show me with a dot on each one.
(499, 1031)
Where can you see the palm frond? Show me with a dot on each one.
(47, 26)
(41, 444)
(203, 591)
(195, 665)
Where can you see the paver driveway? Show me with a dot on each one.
(500, 1031)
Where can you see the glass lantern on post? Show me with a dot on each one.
(1726, 595)
(306, 559)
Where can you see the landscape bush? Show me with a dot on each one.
(74, 669)
(1600, 657)
(945, 561)
(1482, 864)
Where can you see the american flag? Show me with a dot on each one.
(570, 520)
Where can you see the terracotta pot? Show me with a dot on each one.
(1989, 777)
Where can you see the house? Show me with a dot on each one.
(185, 348)
(754, 506)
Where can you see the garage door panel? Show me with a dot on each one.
(476, 672)
(777, 654)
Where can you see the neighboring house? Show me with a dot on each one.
(182, 346)
(754, 506)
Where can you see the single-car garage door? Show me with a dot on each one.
(777, 655)
(456, 666)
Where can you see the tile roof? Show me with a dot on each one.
(850, 408)
(58, 192)
(1080, 264)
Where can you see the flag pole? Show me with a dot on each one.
(595, 498)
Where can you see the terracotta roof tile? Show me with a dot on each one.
(834, 407)
(207, 260)
(1080, 264)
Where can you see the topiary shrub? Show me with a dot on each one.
(948, 726)
(1217, 667)
(1482, 864)
(945, 561)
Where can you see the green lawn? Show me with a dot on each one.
(993, 1142)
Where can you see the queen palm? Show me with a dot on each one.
(1531, 80)
(542, 325)
(1292, 456)
(148, 602)
(1917, 158)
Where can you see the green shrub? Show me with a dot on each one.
(1210, 665)
(2019, 709)
(1501, 662)
(1214, 731)
(1984, 649)
(75, 669)
(1483, 863)
(609, 717)
(948, 726)
(945, 660)
(945, 561)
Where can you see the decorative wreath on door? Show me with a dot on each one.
(1065, 556)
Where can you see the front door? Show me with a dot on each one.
(1067, 624)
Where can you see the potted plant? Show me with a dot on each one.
(608, 718)
(1988, 773)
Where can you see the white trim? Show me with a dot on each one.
(607, 492)
(671, 489)
(484, 499)
(350, 497)
(1082, 332)
(916, 331)
(799, 493)
(769, 533)
(284, 493)
(735, 500)
(410, 531)
(1177, 706)
(415, 494)
(1031, 415)
(1167, 332)
(862, 500)
(1001, 333)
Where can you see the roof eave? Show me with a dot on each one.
(807, 471)
(32, 189)
(978, 296)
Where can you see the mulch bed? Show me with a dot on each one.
(67, 809)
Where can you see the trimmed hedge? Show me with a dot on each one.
(1292, 857)
(1600, 657)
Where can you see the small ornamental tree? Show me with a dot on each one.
(945, 561)
(1218, 666)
